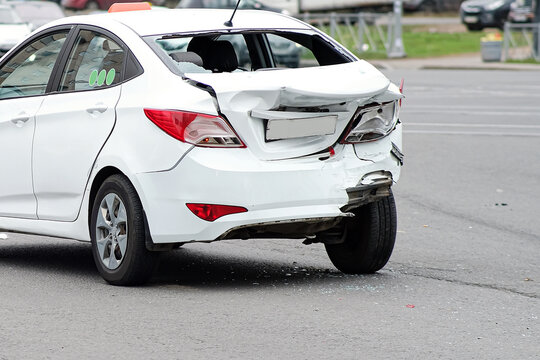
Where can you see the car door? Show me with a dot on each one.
(23, 81)
(74, 122)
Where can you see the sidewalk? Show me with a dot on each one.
(455, 62)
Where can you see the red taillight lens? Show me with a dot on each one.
(401, 89)
(211, 212)
(194, 128)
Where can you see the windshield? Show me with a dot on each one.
(246, 51)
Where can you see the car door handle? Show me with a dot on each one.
(97, 108)
(20, 121)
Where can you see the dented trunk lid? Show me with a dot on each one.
(288, 113)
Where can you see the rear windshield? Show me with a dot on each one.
(249, 51)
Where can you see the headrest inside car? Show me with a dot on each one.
(187, 57)
(221, 57)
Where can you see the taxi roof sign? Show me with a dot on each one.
(130, 6)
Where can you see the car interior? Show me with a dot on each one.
(220, 53)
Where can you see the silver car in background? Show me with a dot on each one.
(12, 28)
(18, 18)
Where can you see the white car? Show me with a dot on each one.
(12, 28)
(138, 131)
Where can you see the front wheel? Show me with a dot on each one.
(118, 234)
(369, 239)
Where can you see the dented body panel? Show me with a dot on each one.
(250, 99)
(295, 166)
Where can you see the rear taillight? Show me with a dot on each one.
(194, 128)
(211, 212)
(372, 123)
(401, 90)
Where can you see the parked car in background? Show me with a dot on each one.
(123, 143)
(522, 11)
(479, 14)
(37, 13)
(12, 28)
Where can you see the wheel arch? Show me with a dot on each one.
(96, 184)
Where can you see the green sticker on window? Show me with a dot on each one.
(93, 78)
(110, 77)
(101, 77)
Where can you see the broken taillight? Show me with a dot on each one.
(401, 84)
(211, 212)
(195, 128)
(372, 123)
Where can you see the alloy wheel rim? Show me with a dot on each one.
(111, 231)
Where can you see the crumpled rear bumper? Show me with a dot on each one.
(302, 189)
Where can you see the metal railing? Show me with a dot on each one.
(521, 41)
(373, 32)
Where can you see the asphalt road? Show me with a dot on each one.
(463, 283)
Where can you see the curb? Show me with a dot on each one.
(431, 64)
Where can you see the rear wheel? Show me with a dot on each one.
(369, 239)
(118, 234)
(475, 27)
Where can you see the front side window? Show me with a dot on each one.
(96, 61)
(28, 71)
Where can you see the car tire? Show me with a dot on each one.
(118, 234)
(369, 238)
(475, 27)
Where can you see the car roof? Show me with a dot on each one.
(154, 22)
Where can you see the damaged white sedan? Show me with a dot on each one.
(144, 130)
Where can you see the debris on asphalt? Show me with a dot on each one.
(410, 306)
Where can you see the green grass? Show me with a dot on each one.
(524, 61)
(420, 43)
(425, 44)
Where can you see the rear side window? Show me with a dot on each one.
(27, 72)
(96, 61)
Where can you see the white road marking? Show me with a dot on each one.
(476, 107)
(476, 133)
(473, 112)
(494, 126)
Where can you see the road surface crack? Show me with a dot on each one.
(474, 284)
